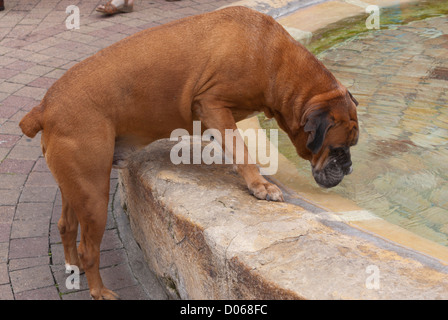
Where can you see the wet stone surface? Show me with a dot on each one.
(399, 76)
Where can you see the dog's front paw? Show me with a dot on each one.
(266, 191)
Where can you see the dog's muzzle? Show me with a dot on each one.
(338, 165)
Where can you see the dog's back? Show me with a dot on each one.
(162, 70)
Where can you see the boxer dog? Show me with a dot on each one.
(219, 68)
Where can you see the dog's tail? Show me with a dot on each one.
(31, 123)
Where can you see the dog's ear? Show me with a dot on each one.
(317, 124)
(353, 98)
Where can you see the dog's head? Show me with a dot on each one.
(323, 134)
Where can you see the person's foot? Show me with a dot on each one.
(2, 6)
(116, 6)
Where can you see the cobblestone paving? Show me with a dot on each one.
(36, 48)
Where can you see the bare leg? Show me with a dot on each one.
(116, 6)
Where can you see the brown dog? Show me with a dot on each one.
(218, 68)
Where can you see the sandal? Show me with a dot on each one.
(110, 9)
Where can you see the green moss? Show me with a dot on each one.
(345, 29)
(171, 285)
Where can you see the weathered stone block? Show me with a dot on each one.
(205, 237)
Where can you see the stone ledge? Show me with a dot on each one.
(276, 8)
(205, 237)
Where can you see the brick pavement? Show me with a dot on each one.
(36, 48)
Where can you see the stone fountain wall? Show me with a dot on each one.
(205, 237)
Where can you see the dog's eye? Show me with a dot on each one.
(337, 150)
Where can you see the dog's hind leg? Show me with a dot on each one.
(68, 229)
(82, 169)
(92, 215)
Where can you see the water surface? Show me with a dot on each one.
(399, 74)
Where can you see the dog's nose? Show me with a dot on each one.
(350, 170)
